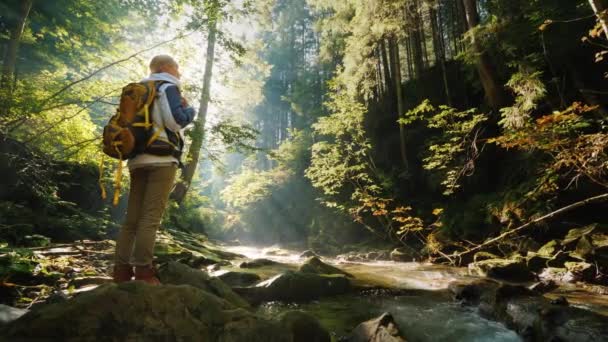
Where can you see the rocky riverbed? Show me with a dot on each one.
(223, 293)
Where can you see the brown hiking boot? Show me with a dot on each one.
(147, 274)
(122, 273)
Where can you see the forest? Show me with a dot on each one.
(357, 170)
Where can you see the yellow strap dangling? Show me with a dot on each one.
(118, 178)
(101, 185)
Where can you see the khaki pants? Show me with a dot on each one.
(148, 195)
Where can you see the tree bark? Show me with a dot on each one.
(601, 11)
(387, 72)
(415, 38)
(10, 59)
(495, 95)
(396, 67)
(198, 136)
(439, 51)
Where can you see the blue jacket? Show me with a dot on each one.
(182, 115)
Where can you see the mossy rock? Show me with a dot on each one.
(504, 269)
(135, 311)
(549, 249)
(179, 274)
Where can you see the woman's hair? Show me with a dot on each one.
(159, 61)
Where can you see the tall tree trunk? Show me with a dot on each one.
(408, 50)
(396, 67)
(379, 81)
(415, 37)
(181, 188)
(10, 59)
(495, 94)
(601, 11)
(439, 51)
(387, 72)
(460, 20)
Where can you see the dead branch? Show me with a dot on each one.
(533, 222)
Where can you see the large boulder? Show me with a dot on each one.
(504, 269)
(136, 311)
(304, 327)
(293, 286)
(176, 273)
(380, 329)
(316, 266)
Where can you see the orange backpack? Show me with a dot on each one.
(128, 131)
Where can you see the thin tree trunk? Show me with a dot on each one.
(181, 188)
(461, 25)
(494, 92)
(10, 60)
(387, 72)
(421, 29)
(439, 52)
(396, 67)
(416, 39)
(601, 11)
(379, 80)
(408, 50)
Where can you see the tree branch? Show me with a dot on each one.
(535, 221)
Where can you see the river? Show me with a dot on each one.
(429, 315)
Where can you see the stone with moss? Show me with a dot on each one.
(504, 269)
(179, 274)
(136, 311)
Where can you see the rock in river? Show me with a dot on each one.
(296, 286)
(239, 278)
(316, 266)
(504, 269)
(381, 329)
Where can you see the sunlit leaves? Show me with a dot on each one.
(452, 152)
(529, 88)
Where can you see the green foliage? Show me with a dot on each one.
(192, 215)
(342, 162)
(530, 90)
(452, 152)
